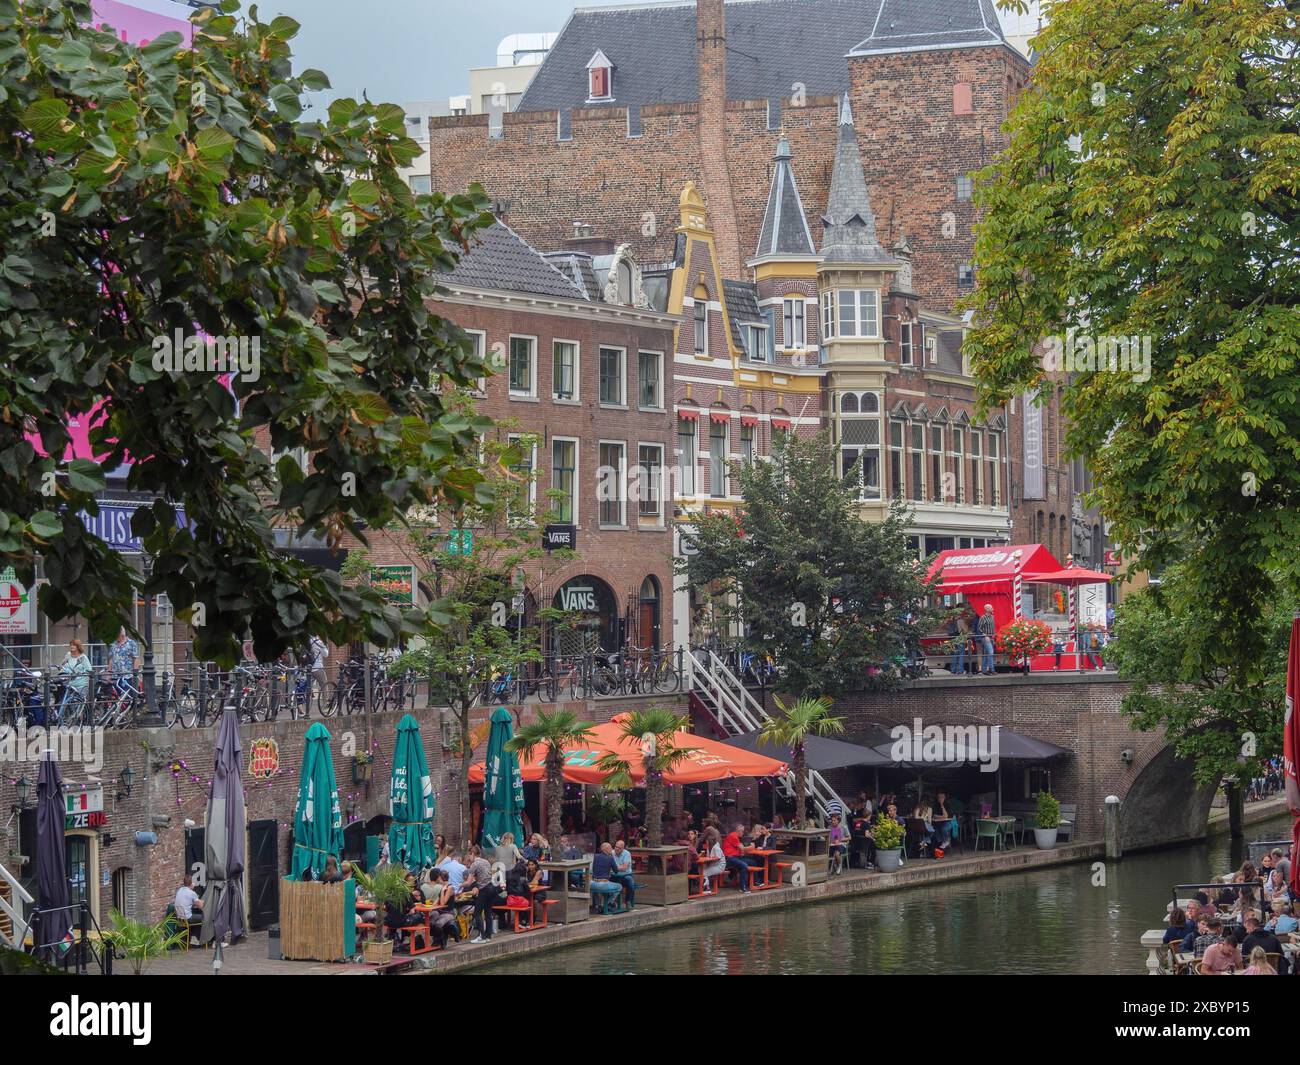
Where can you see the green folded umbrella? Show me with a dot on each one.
(317, 817)
(410, 800)
(503, 784)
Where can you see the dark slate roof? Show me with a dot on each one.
(502, 261)
(771, 44)
(850, 224)
(742, 308)
(909, 25)
(785, 227)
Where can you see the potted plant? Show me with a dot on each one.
(138, 944)
(386, 885)
(1048, 822)
(889, 844)
(1024, 639)
(363, 765)
(555, 732)
(791, 728)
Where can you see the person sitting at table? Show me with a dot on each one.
(924, 813)
(538, 879)
(1259, 965)
(443, 921)
(623, 873)
(761, 836)
(736, 860)
(1179, 927)
(713, 862)
(538, 849)
(451, 865)
(1282, 920)
(944, 819)
(1275, 887)
(1207, 907)
(187, 899)
(1200, 938)
(331, 875)
(402, 915)
(1260, 938)
(345, 870)
(1222, 955)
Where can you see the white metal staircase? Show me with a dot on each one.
(737, 711)
(14, 901)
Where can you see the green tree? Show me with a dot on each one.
(556, 730)
(834, 599)
(1221, 711)
(654, 730)
(1151, 191)
(478, 560)
(791, 727)
(157, 190)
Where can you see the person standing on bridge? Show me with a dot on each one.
(987, 628)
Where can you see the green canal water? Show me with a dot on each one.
(1051, 921)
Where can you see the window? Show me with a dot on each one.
(936, 464)
(746, 443)
(634, 125)
(774, 112)
(994, 477)
(792, 331)
(701, 313)
(855, 313)
(965, 275)
(599, 83)
(478, 342)
(421, 184)
(564, 124)
(523, 485)
(860, 450)
(916, 462)
(523, 368)
(769, 316)
(564, 370)
(756, 343)
(896, 458)
(905, 343)
(976, 496)
(965, 186)
(564, 479)
(717, 459)
(611, 376)
(686, 455)
(956, 463)
(650, 491)
(650, 366)
(610, 484)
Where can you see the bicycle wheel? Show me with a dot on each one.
(187, 708)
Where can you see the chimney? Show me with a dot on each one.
(711, 48)
(715, 174)
(584, 239)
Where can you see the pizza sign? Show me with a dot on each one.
(263, 759)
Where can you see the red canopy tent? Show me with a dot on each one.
(705, 760)
(991, 575)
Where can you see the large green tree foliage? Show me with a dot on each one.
(145, 191)
(1220, 710)
(834, 599)
(1150, 190)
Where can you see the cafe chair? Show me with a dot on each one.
(989, 830)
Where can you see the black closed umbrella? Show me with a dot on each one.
(53, 920)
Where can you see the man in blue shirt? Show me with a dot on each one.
(454, 870)
(623, 872)
(123, 658)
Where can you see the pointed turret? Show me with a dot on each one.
(850, 235)
(785, 226)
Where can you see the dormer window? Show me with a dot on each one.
(600, 78)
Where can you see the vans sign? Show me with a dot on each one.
(578, 597)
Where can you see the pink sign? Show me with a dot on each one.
(140, 21)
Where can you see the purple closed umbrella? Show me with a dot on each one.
(223, 900)
(53, 921)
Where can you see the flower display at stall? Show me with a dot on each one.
(1024, 638)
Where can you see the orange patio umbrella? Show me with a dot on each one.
(705, 759)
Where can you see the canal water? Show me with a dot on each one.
(1052, 921)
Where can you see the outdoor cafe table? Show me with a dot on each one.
(770, 879)
(661, 883)
(574, 904)
(809, 846)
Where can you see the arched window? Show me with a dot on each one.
(625, 282)
(849, 403)
(870, 404)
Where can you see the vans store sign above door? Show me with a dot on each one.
(578, 597)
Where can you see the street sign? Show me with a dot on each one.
(15, 605)
(555, 537)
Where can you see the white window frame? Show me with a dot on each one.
(755, 342)
(659, 383)
(696, 323)
(622, 483)
(532, 375)
(905, 347)
(574, 495)
(694, 463)
(794, 331)
(656, 519)
(858, 320)
(480, 350)
(622, 376)
(576, 398)
(726, 460)
(828, 315)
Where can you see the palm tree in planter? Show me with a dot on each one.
(653, 729)
(556, 731)
(791, 728)
(386, 885)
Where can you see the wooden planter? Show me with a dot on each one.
(377, 953)
(571, 904)
(811, 846)
(662, 883)
(318, 921)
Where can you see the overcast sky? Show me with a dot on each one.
(407, 50)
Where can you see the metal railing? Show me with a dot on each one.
(13, 908)
(80, 953)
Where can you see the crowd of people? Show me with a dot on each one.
(1236, 928)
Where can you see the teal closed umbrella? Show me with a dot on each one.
(410, 800)
(503, 784)
(317, 817)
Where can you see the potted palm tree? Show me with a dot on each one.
(654, 730)
(138, 944)
(791, 727)
(387, 884)
(1048, 822)
(888, 835)
(556, 732)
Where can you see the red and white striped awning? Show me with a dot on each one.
(691, 414)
